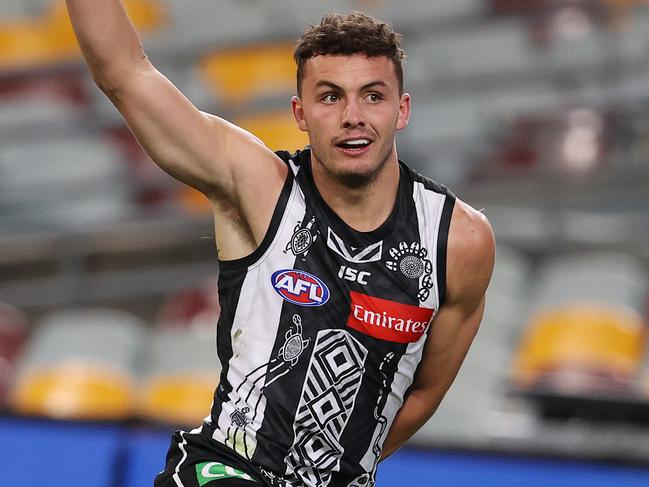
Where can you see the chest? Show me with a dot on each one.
(387, 282)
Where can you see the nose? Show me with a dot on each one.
(352, 115)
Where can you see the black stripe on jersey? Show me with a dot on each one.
(276, 434)
(359, 439)
(229, 293)
(442, 244)
(278, 213)
(444, 225)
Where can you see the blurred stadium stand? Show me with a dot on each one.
(80, 364)
(536, 111)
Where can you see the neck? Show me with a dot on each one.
(363, 208)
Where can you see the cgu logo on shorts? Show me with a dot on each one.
(388, 320)
(207, 472)
(299, 287)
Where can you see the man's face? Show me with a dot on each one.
(351, 108)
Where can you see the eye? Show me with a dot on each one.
(330, 98)
(373, 97)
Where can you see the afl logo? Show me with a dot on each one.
(299, 287)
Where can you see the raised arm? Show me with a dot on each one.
(471, 250)
(234, 169)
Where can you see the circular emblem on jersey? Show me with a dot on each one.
(301, 241)
(412, 267)
(411, 260)
(304, 236)
(300, 287)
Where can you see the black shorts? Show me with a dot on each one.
(194, 461)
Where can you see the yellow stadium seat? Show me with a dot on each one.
(79, 365)
(181, 399)
(23, 44)
(75, 390)
(599, 344)
(179, 375)
(278, 130)
(50, 38)
(243, 74)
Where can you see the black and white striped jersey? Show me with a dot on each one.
(322, 329)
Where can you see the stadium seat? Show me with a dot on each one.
(579, 51)
(445, 118)
(245, 74)
(278, 129)
(72, 180)
(609, 278)
(181, 374)
(36, 103)
(181, 371)
(50, 38)
(586, 334)
(80, 365)
(296, 14)
(193, 309)
(444, 130)
(151, 188)
(508, 298)
(495, 49)
(208, 23)
(581, 350)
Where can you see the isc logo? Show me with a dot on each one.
(353, 275)
(299, 287)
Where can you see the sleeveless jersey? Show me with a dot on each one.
(322, 329)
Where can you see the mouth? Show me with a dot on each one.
(355, 146)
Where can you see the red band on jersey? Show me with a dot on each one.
(387, 320)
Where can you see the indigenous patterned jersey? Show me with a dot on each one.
(322, 329)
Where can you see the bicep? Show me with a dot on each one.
(449, 339)
(471, 251)
(201, 150)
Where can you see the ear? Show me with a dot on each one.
(404, 111)
(298, 113)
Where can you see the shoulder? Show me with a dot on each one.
(470, 255)
(299, 158)
(426, 182)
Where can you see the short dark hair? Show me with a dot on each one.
(347, 34)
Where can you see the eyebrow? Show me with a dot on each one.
(334, 86)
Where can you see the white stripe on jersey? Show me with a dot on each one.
(294, 167)
(429, 205)
(176, 475)
(243, 414)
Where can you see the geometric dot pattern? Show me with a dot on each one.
(327, 400)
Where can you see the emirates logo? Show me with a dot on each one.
(388, 320)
